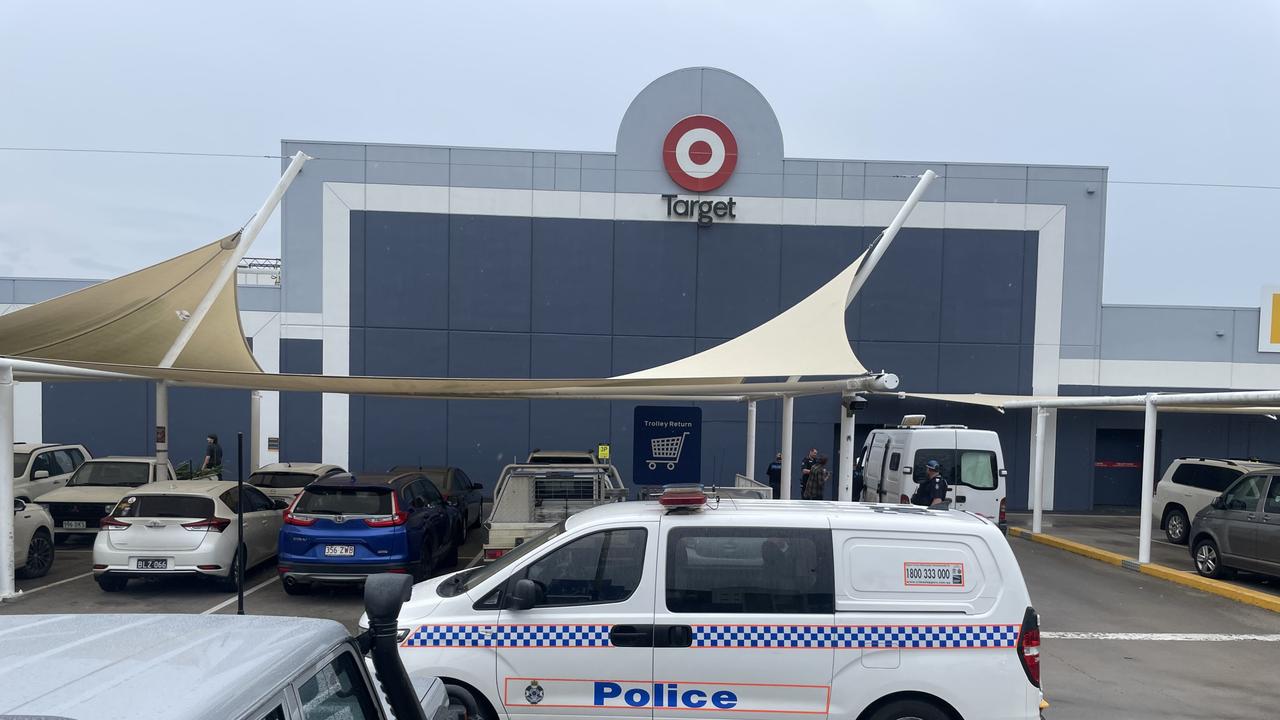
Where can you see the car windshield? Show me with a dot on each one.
(165, 506)
(20, 463)
(344, 501)
(281, 479)
(474, 577)
(130, 474)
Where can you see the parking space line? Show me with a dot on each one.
(232, 599)
(475, 560)
(1175, 637)
(54, 584)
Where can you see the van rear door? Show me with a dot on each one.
(873, 470)
(976, 482)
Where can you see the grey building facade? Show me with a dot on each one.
(470, 262)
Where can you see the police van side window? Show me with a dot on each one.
(750, 570)
(604, 567)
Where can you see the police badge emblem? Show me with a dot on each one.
(534, 693)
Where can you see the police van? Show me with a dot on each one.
(697, 606)
(893, 464)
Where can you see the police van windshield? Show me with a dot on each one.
(473, 578)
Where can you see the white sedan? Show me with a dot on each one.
(184, 528)
(32, 540)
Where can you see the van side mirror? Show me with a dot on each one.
(524, 595)
(39, 474)
(1004, 473)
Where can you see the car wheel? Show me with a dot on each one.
(910, 710)
(39, 556)
(109, 583)
(229, 583)
(1209, 561)
(461, 698)
(1176, 526)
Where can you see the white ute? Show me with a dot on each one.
(663, 609)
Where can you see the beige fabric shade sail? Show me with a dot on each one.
(126, 326)
(134, 319)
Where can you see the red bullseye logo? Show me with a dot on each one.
(700, 153)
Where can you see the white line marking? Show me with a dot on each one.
(1178, 637)
(475, 560)
(53, 584)
(231, 600)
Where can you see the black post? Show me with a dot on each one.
(240, 522)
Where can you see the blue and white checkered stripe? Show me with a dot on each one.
(533, 636)
(862, 636)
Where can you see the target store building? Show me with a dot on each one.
(419, 260)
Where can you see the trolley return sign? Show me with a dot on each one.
(668, 445)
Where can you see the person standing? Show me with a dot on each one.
(810, 459)
(933, 491)
(212, 453)
(815, 484)
(774, 473)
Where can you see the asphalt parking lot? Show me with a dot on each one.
(1117, 644)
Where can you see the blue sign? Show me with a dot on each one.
(668, 445)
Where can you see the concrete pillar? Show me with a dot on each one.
(788, 418)
(7, 586)
(1037, 471)
(845, 485)
(749, 468)
(162, 426)
(1148, 479)
(255, 430)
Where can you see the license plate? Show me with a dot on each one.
(73, 524)
(339, 550)
(152, 564)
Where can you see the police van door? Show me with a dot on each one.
(743, 621)
(873, 469)
(585, 650)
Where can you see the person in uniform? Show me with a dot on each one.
(933, 490)
(774, 473)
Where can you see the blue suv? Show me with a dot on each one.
(345, 527)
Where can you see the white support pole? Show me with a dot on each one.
(845, 486)
(1148, 479)
(1037, 473)
(255, 430)
(162, 424)
(228, 269)
(7, 586)
(749, 468)
(882, 243)
(788, 416)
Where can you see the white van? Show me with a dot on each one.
(893, 465)
(660, 609)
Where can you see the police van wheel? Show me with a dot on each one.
(461, 698)
(910, 710)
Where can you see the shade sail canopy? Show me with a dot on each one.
(808, 339)
(134, 319)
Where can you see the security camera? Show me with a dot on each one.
(854, 404)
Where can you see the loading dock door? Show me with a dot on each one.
(1117, 468)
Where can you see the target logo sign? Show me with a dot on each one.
(700, 153)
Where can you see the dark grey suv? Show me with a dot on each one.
(1240, 530)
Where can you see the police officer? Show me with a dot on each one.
(933, 491)
(774, 474)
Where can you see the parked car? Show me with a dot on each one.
(1188, 485)
(1240, 530)
(284, 481)
(345, 527)
(39, 468)
(456, 488)
(32, 540)
(185, 528)
(528, 499)
(95, 488)
(561, 457)
(206, 667)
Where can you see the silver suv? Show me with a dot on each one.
(1188, 486)
(1240, 530)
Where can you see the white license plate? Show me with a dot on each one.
(151, 564)
(73, 524)
(339, 550)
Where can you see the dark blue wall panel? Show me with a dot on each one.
(300, 413)
(401, 262)
(902, 300)
(196, 412)
(982, 286)
(109, 418)
(489, 273)
(737, 278)
(654, 279)
(572, 276)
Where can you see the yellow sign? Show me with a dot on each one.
(1269, 320)
(602, 451)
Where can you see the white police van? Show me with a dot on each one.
(716, 607)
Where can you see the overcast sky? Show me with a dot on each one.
(1164, 91)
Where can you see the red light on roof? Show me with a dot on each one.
(682, 496)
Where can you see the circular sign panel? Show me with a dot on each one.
(700, 153)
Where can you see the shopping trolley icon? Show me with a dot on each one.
(666, 450)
